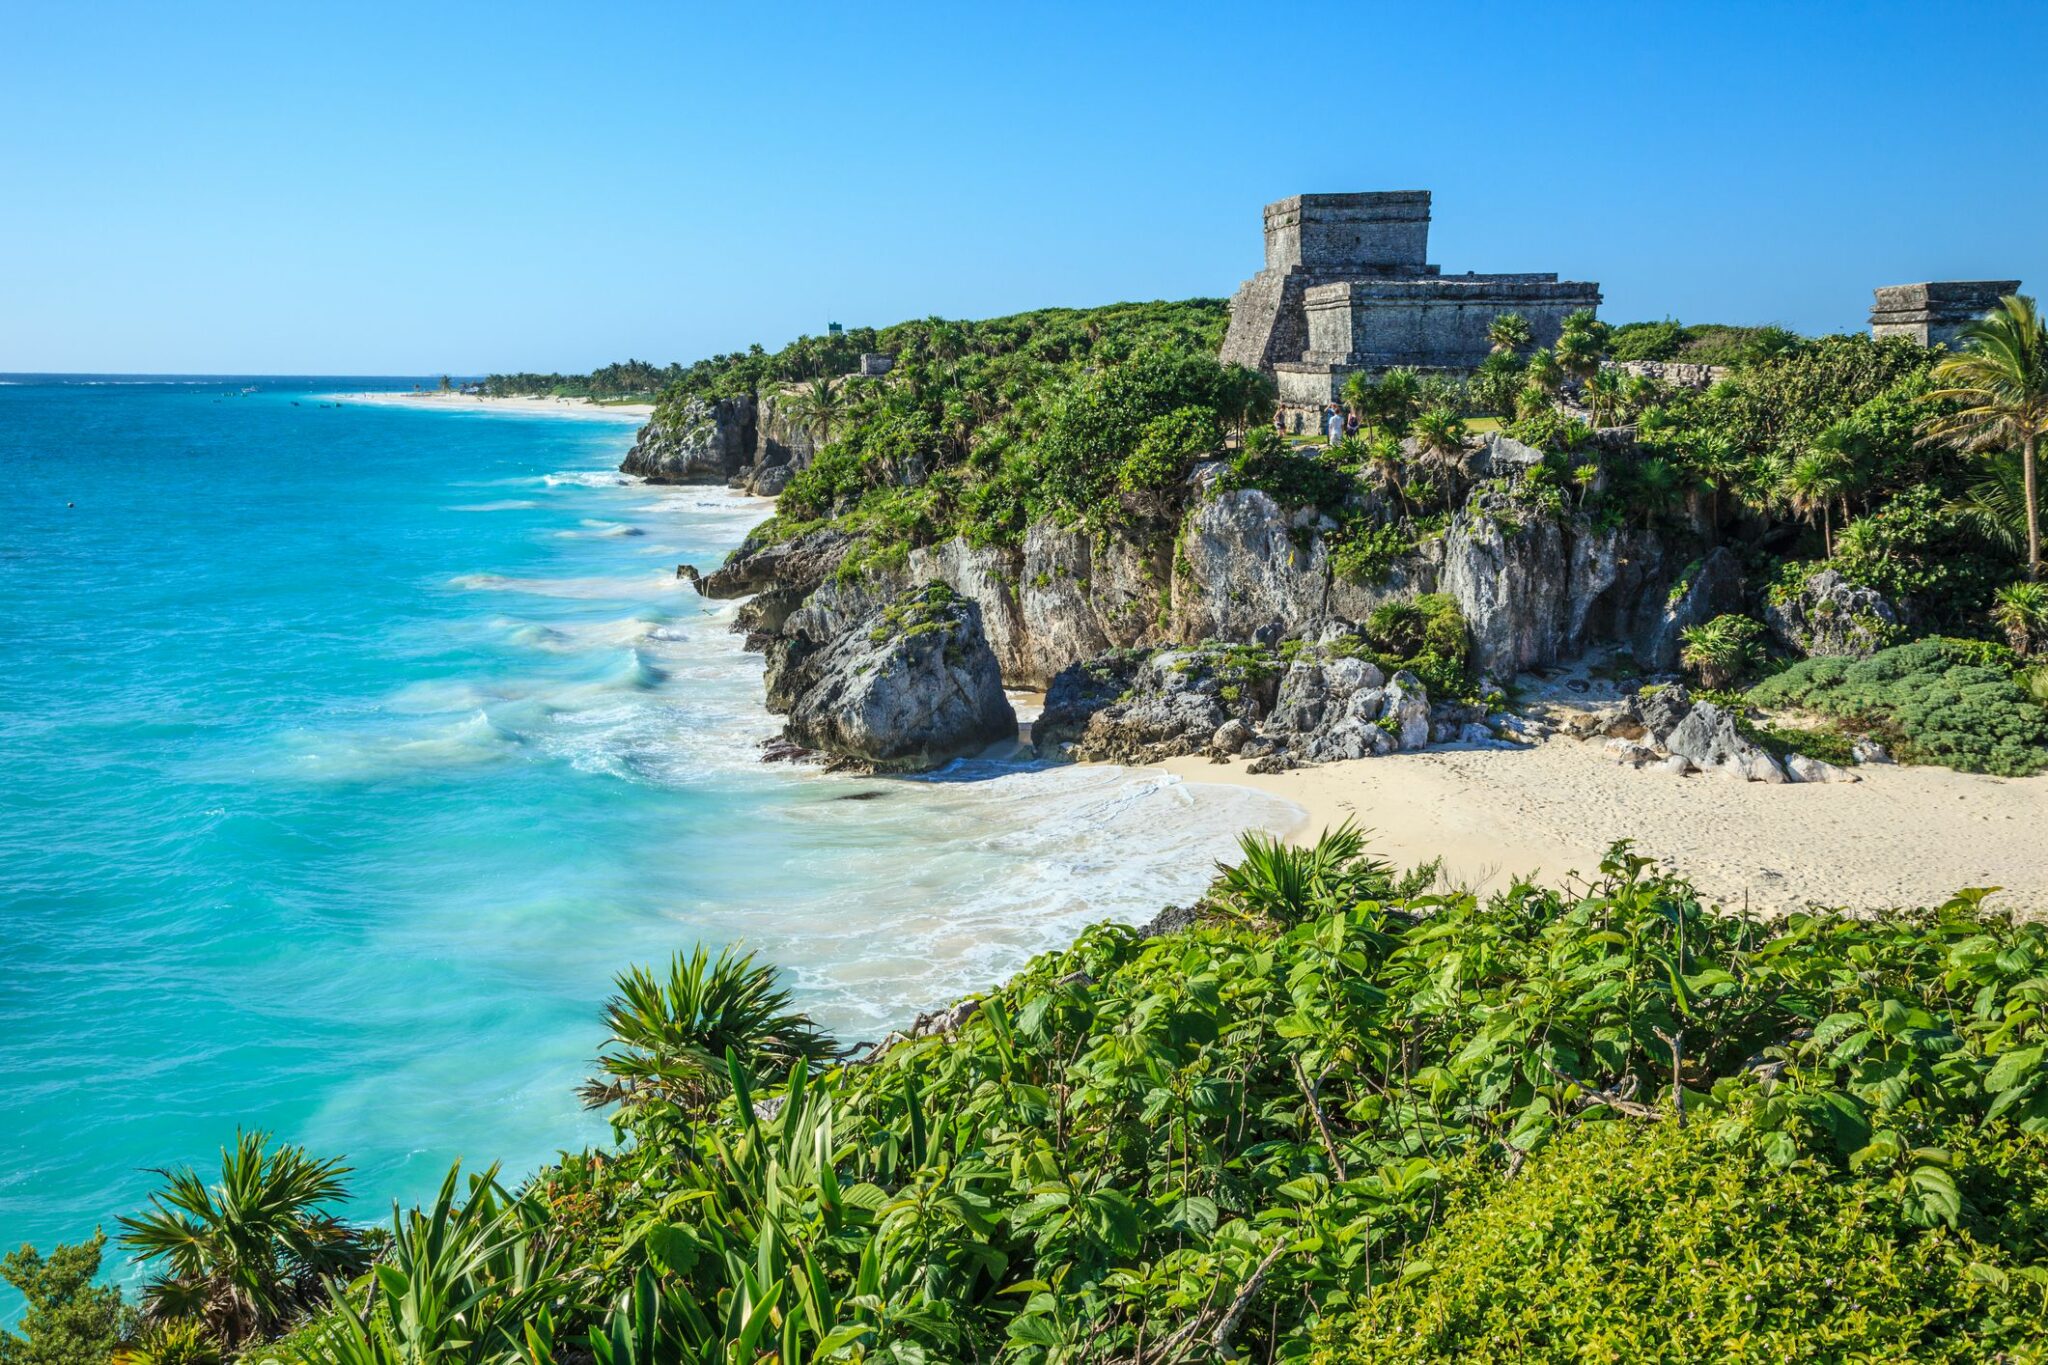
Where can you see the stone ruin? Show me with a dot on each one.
(1935, 312)
(1347, 286)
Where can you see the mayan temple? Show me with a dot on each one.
(1347, 286)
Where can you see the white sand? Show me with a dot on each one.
(1902, 836)
(541, 407)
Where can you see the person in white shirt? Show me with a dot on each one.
(1333, 425)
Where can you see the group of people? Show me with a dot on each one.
(1336, 423)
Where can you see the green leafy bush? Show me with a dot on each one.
(1722, 650)
(1657, 1242)
(1950, 702)
(1167, 445)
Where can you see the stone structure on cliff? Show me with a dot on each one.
(1934, 312)
(1347, 286)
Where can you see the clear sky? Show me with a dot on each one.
(288, 188)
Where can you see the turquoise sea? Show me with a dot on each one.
(346, 751)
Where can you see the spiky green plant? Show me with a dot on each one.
(249, 1253)
(2021, 611)
(1722, 650)
(464, 1281)
(670, 1034)
(1285, 883)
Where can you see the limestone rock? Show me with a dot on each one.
(1244, 565)
(1709, 738)
(1870, 751)
(1829, 615)
(1174, 704)
(1077, 692)
(1800, 768)
(798, 564)
(908, 687)
(702, 443)
(1714, 586)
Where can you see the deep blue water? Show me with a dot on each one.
(346, 751)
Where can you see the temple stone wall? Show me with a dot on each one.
(1935, 312)
(1347, 286)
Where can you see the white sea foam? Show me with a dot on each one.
(583, 589)
(503, 505)
(593, 529)
(585, 478)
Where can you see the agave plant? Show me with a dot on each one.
(170, 1343)
(670, 1035)
(1278, 881)
(246, 1255)
(465, 1281)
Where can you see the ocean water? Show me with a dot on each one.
(347, 751)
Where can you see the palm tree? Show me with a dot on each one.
(1383, 464)
(1578, 354)
(1603, 394)
(818, 406)
(1718, 460)
(1995, 505)
(2000, 376)
(670, 1038)
(1810, 488)
(1544, 370)
(1359, 395)
(244, 1256)
(1395, 398)
(1508, 333)
(1441, 434)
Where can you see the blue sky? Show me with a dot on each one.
(366, 189)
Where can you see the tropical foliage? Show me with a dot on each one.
(68, 1320)
(1941, 701)
(244, 1256)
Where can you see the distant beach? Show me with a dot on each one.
(1902, 836)
(539, 407)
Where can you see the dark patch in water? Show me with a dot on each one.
(862, 796)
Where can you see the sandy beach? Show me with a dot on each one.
(1902, 836)
(538, 407)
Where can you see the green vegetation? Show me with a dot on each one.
(69, 1320)
(617, 382)
(1701, 343)
(1952, 702)
(1658, 1242)
(1343, 1116)
(1723, 650)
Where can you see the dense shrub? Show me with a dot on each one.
(1951, 702)
(1659, 1243)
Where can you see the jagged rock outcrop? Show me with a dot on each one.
(1827, 614)
(797, 565)
(1535, 588)
(1669, 729)
(1708, 589)
(1327, 704)
(703, 443)
(909, 686)
(1245, 564)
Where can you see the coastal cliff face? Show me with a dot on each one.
(1535, 586)
(755, 444)
(1534, 589)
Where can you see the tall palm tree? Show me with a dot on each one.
(245, 1255)
(818, 406)
(1544, 370)
(1810, 488)
(1383, 465)
(2000, 376)
(670, 1036)
(1603, 394)
(1508, 333)
(1578, 354)
(1441, 434)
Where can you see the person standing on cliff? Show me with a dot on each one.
(1333, 424)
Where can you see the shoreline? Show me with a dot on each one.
(1903, 836)
(580, 409)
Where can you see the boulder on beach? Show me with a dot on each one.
(908, 687)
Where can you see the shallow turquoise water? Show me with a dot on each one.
(347, 751)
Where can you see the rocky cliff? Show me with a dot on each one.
(750, 443)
